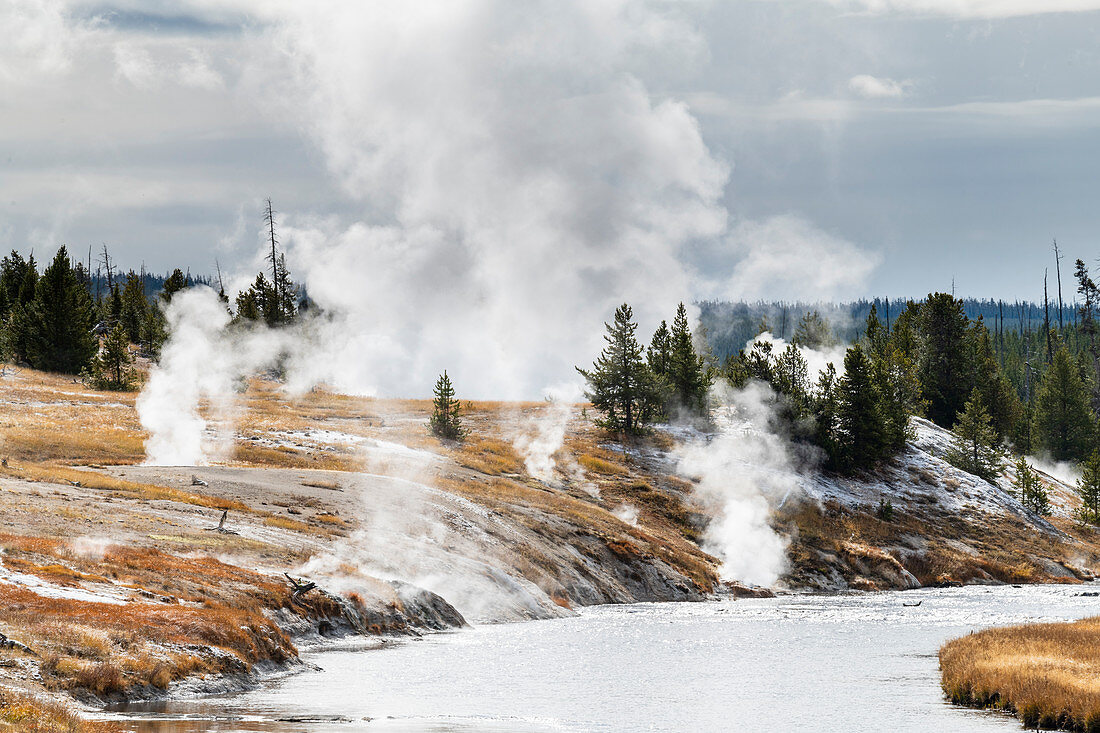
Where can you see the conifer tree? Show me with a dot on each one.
(998, 397)
(875, 335)
(659, 353)
(446, 419)
(58, 321)
(944, 357)
(898, 389)
(860, 425)
(134, 310)
(111, 367)
(1030, 489)
(1088, 489)
(174, 283)
(813, 331)
(620, 383)
(687, 370)
(974, 443)
(1064, 423)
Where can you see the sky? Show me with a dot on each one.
(770, 149)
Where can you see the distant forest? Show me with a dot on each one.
(729, 326)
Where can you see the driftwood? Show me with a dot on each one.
(220, 529)
(6, 643)
(300, 586)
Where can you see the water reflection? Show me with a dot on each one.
(819, 663)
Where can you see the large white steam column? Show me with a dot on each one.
(193, 366)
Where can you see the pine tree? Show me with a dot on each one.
(111, 367)
(687, 370)
(898, 389)
(1064, 423)
(134, 309)
(813, 332)
(620, 383)
(998, 397)
(446, 420)
(659, 353)
(875, 334)
(943, 362)
(58, 323)
(974, 443)
(1088, 489)
(1030, 490)
(860, 424)
(174, 283)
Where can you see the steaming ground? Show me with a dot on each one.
(535, 514)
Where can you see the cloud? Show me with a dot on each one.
(39, 39)
(873, 87)
(980, 9)
(187, 66)
(787, 258)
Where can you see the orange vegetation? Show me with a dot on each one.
(1045, 673)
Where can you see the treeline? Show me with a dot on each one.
(931, 360)
(633, 386)
(66, 319)
(730, 325)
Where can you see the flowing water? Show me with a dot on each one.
(814, 663)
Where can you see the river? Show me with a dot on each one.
(816, 663)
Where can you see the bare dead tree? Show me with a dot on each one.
(1046, 318)
(105, 258)
(1058, 271)
(269, 219)
(300, 586)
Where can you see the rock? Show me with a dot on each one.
(741, 590)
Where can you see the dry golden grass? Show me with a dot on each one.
(1047, 674)
(94, 480)
(1003, 546)
(488, 455)
(27, 713)
(107, 648)
(602, 466)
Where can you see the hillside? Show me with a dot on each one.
(120, 585)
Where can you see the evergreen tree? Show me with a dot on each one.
(111, 367)
(944, 357)
(998, 397)
(860, 424)
(974, 443)
(248, 307)
(174, 283)
(1030, 489)
(1088, 488)
(687, 370)
(620, 383)
(898, 389)
(875, 335)
(446, 420)
(1064, 423)
(58, 321)
(284, 297)
(659, 353)
(134, 309)
(813, 332)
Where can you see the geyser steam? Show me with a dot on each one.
(742, 473)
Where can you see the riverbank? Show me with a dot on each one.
(138, 582)
(826, 663)
(1045, 674)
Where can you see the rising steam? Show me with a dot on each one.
(516, 180)
(742, 473)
